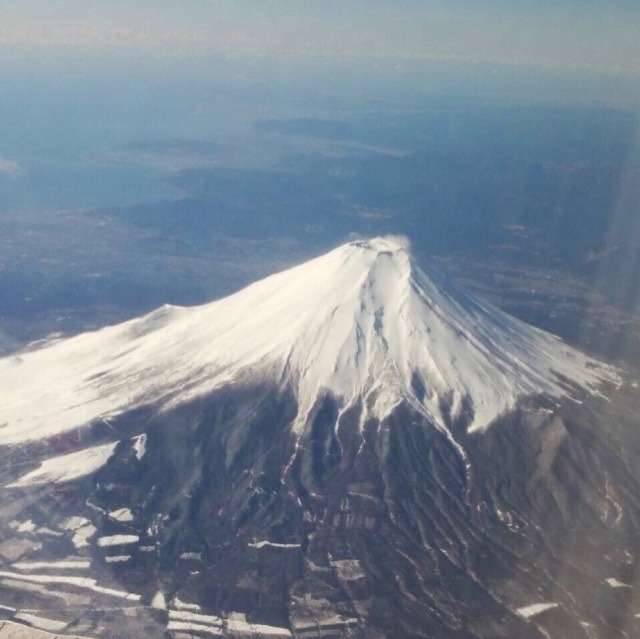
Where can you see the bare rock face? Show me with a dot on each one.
(344, 449)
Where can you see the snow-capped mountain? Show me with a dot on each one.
(361, 322)
(349, 448)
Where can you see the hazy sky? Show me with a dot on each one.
(563, 34)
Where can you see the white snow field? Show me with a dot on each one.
(360, 321)
(67, 467)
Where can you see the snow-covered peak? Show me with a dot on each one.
(360, 322)
(384, 244)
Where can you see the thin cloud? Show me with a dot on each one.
(544, 39)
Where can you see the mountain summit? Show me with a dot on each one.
(361, 322)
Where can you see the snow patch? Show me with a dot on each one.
(118, 540)
(178, 604)
(271, 544)
(74, 522)
(159, 602)
(68, 467)
(42, 623)
(185, 626)
(117, 559)
(535, 609)
(25, 526)
(80, 582)
(48, 531)
(81, 535)
(614, 583)
(122, 514)
(194, 617)
(57, 565)
(23, 585)
(240, 626)
(140, 445)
